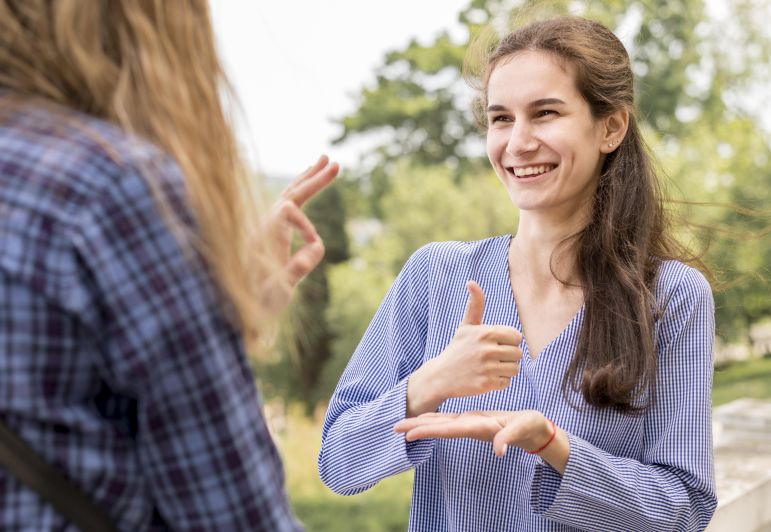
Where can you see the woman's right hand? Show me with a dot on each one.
(479, 359)
(280, 224)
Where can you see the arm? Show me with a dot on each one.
(671, 486)
(359, 447)
(206, 454)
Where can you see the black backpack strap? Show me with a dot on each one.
(22, 461)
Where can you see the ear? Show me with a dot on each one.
(614, 129)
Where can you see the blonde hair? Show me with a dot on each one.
(151, 67)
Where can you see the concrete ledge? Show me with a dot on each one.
(744, 492)
(742, 431)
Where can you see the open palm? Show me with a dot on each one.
(478, 425)
(523, 428)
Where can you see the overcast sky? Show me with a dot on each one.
(295, 65)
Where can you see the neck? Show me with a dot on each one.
(539, 248)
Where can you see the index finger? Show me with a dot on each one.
(312, 182)
(412, 422)
(315, 167)
(442, 429)
(503, 334)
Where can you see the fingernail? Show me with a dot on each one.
(503, 451)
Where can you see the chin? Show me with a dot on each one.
(531, 207)
(525, 202)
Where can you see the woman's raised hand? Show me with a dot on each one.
(479, 359)
(278, 227)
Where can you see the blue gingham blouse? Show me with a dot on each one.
(116, 362)
(652, 472)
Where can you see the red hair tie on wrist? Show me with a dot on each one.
(551, 439)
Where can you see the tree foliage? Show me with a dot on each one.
(702, 74)
(699, 69)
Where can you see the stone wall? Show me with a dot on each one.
(742, 431)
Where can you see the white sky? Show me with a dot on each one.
(296, 65)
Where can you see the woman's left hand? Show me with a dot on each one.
(527, 429)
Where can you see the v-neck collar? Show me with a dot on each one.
(575, 321)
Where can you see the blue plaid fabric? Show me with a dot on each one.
(649, 473)
(116, 362)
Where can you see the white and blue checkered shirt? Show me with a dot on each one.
(652, 472)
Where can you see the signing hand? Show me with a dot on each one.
(527, 429)
(477, 425)
(479, 359)
(278, 227)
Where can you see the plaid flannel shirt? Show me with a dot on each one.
(116, 361)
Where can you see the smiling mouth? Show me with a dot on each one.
(530, 171)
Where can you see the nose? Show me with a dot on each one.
(521, 139)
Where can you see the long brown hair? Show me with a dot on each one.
(151, 67)
(628, 235)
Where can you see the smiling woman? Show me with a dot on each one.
(546, 150)
(584, 349)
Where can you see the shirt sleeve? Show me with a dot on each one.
(205, 450)
(672, 486)
(359, 446)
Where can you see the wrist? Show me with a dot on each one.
(557, 453)
(422, 395)
(545, 439)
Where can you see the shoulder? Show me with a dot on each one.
(675, 278)
(455, 255)
(56, 162)
(72, 188)
(680, 290)
(440, 266)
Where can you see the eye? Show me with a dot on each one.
(499, 118)
(545, 112)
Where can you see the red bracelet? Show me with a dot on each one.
(551, 439)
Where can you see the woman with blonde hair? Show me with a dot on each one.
(135, 272)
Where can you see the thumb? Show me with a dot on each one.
(475, 306)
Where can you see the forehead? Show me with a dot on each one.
(530, 75)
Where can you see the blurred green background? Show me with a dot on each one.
(703, 81)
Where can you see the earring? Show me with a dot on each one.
(610, 144)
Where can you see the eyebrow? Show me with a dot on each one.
(537, 103)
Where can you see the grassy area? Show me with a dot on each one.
(385, 507)
(745, 379)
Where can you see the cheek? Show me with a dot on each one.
(496, 144)
(490, 148)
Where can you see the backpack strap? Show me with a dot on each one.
(24, 463)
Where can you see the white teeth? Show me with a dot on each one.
(530, 170)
